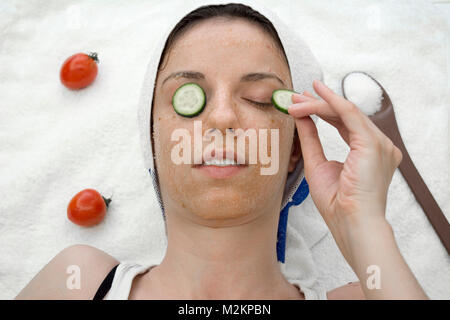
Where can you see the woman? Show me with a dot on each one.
(221, 223)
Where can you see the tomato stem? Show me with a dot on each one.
(107, 201)
(94, 56)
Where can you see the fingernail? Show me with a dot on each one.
(296, 95)
(300, 97)
(295, 106)
(320, 84)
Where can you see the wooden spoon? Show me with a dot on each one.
(384, 119)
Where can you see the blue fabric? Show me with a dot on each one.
(300, 194)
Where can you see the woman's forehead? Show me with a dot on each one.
(216, 34)
(222, 48)
(221, 29)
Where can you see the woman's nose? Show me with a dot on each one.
(223, 113)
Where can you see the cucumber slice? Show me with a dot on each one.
(282, 99)
(189, 100)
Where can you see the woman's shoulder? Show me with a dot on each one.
(74, 273)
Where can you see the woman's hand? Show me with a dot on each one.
(354, 192)
(351, 196)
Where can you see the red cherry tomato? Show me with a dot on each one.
(79, 70)
(87, 208)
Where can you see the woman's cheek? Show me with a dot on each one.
(287, 127)
(162, 139)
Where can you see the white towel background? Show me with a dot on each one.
(55, 142)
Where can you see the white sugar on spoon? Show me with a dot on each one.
(363, 92)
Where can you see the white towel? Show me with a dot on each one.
(55, 142)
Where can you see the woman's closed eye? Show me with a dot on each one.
(261, 104)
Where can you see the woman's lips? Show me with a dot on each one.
(220, 172)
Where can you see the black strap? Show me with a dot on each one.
(106, 285)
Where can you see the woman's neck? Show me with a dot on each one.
(235, 262)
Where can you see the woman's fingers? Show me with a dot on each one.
(350, 114)
(336, 110)
(312, 106)
(305, 96)
(321, 109)
(308, 94)
(299, 98)
(312, 150)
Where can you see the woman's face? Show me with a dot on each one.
(223, 51)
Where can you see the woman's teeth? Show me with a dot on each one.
(220, 163)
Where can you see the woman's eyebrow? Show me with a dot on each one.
(254, 76)
(185, 74)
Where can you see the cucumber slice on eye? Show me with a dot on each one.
(189, 100)
(282, 99)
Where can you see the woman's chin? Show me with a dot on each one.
(221, 206)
